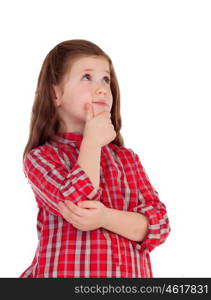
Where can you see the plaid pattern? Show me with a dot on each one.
(64, 251)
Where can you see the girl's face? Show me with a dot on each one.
(87, 82)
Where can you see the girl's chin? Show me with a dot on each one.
(100, 108)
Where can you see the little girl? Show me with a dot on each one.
(98, 214)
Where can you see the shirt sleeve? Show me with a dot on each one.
(150, 206)
(51, 182)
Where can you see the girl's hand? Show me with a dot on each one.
(98, 129)
(87, 215)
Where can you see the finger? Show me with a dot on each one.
(87, 204)
(89, 111)
(74, 208)
(64, 210)
(68, 214)
(63, 207)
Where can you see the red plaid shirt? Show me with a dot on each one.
(65, 251)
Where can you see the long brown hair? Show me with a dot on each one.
(45, 121)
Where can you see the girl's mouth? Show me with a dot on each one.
(101, 103)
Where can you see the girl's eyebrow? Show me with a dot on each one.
(93, 70)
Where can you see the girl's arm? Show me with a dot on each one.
(90, 215)
(146, 221)
(89, 160)
(131, 225)
(52, 183)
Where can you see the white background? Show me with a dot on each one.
(161, 51)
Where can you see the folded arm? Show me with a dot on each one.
(52, 182)
(90, 215)
(131, 225)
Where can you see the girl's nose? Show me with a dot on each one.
(101, 89)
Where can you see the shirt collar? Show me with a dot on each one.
(72, 138)
(68, 138)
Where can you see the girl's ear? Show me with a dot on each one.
(57, 92)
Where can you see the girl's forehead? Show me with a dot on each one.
(85, 64)
(90, 63)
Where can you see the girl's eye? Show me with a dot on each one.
(106, 77)
(85, 75)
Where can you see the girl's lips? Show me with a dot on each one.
(101, 103)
